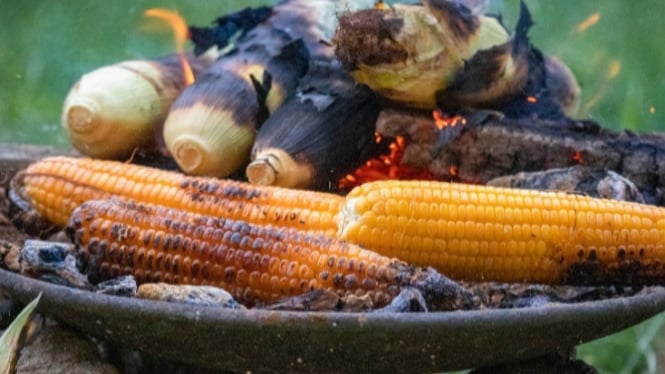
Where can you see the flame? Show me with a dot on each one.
(577, 156)
(387, 166)
(590, 21)
(180, 35)
(532, 99)
(441, 121)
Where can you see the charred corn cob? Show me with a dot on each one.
(55, 186)
(487, 233)
(254, 263)
(211, 126)
(410, 52)
(318, 135)
(115, 109)
(441, 54)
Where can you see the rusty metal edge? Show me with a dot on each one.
(271, 341)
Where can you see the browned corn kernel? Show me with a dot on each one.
(55, 186)
(485, 233)
(254, 263)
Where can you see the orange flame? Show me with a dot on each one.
(590, 21)
(387, 166)
(442, 121)
(180, 35)
(532, 99)
(577, 156)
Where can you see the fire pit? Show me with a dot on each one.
(516, 130)
(310, 342)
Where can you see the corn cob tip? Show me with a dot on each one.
(276, 167)
(261, 172)
(81, 115)
(205, 140)
(189, 153)
(113, 110)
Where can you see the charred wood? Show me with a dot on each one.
(489, 146)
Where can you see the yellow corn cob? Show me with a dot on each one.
(254, 263)
(485, 233)
(55, 186)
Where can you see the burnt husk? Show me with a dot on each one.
(527, 93)
(222, 87)
(329, 125)
(227, 27)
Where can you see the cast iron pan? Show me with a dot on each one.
(269, 341)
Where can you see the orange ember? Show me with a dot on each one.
(531, 99)
(180, 34)
(387, 166)
(577, 156)
(614, 69)
(590, 21)
(442, 121)
(453, 170)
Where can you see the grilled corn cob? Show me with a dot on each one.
(55, 186)
(212, 125)
(254, 263)
(486, 233)
(412, 51)
(115, 109)
(318, 135)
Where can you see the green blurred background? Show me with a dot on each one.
(45, 46)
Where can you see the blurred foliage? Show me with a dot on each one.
(48, 45)
(619, 60)
(635, 350)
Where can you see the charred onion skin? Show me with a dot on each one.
(115, 109)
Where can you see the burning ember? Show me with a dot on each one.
(386, 166)
(590, 21)
(180, 34)
(441, 120)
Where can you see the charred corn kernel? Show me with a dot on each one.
(55, 186)
(254, 263)
(487, 233)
